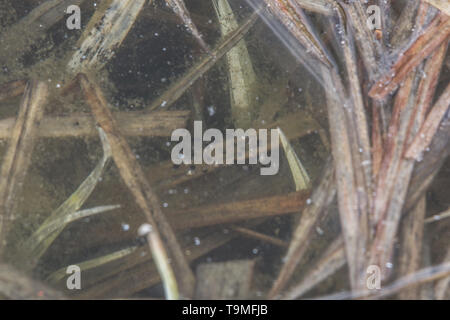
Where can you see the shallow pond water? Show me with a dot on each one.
(258, 84)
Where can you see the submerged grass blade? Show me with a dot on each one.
(51, 226)
(242, 78)
(176, 90)
(179, 7)
(301, 177)
(58, 275)
(34, 247)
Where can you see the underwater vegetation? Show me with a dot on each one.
(92, 205)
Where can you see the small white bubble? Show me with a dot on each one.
(125, 227)
(319, 231)
(144, 229)
(211, 111)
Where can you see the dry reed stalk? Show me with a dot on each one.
(133, 124)
(369, 48)
(358, 130)
(291, 14)
(249, 233)
(438, 217)
(419, 278)
(442, 5)
(428, 85)
(354, 222)
(393, 178)
(411, 239)
(134, 178)
(412, 102)
(434, 35)
(430, 126)
(426, 170)
(330, 261)
(377, 139)
(238, 211)
(321, 198)
(18, 155)
(442, 286)
(355, 183)
(318, 6)
(386, 27)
